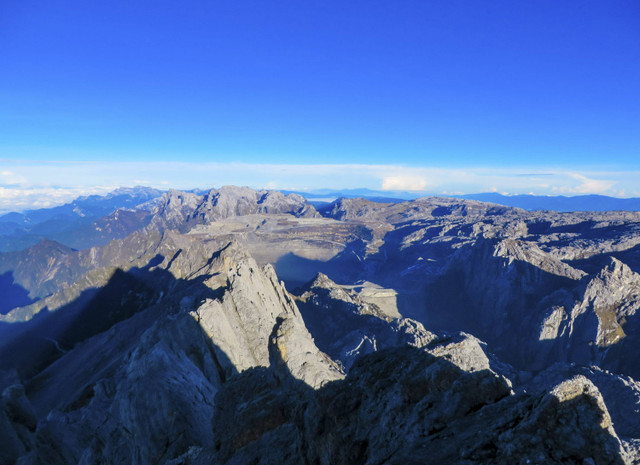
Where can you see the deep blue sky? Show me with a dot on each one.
(541, 84)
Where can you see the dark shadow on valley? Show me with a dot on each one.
(333, 328)
(475, 297)
(461, 296)
(68, 358)
(346, 266)
(276, 415)
(261, 408)
(325, 422)
(12, 295)
(31, 346)
(595, 263)
(468, 289)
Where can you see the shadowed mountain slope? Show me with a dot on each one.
(180, 343)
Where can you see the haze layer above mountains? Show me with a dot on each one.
(242, 326)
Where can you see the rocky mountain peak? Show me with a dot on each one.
(516, 249)
(579, 401)
(349, 209)
(184, 210)
(49, 247)
(613, 296)
(619, 272)
(174, 345)
(323, 281)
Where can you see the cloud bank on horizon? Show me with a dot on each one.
(430, 97)
(27, 185)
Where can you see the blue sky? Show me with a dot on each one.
(436, 96)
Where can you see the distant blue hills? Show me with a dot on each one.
(328, 195)
(527, 202)
(594, 203)
(80, 223)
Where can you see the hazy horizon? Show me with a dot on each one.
(434, 97)
(34, 199)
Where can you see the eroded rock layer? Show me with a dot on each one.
(174, 345)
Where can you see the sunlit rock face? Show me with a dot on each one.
(432, 331)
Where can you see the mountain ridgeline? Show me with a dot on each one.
(236, 326)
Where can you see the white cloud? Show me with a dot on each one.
(25, 185)
(10, 178)
(403, 183)
(19, 199)
(593, 186)
(578, 184)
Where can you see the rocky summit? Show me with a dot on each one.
(236, 326)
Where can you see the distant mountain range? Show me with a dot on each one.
(328, 195)
(560, 203)
(235, 326)
(96, 220)
(85, 222)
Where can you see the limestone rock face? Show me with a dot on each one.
(349, 209)
(517, 280)
(144, 391)
(614, 297)
(256, 420)
(346, 327)
(621, 394)
(361, 299)
(347, 324)
(513, 249)
(502, 281)
(238, 201)
(168, 347)
(184, 210)
(404, 405)
(256, 323)
(293, 350)
(173, 208)
(591, 326)
(434, 207)
(569, 421)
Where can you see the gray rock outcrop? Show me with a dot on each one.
(170, 347)
(404, 405)
(17, 424)
(346, 324)
(144, 391)
(184, 210)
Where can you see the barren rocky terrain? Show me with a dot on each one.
(240, 326)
